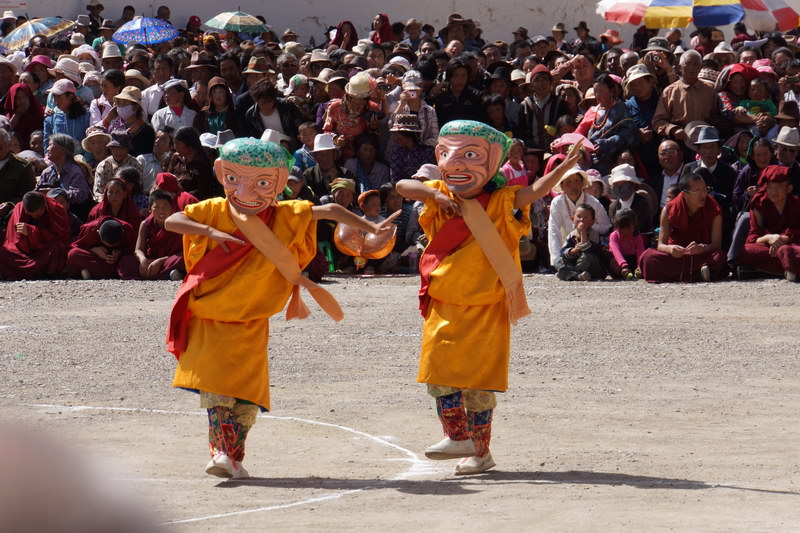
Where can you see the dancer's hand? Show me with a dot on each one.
(222, 238)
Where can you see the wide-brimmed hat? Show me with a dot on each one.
(133, 74)
(83, 20)
(403, 50)
(406, 122)
(518, 77)
(500, 73)
(41, 60)
(707, 135)
(788, 110)
(120, 139)
(636, 72)
(274, 136)
(657, 44)
(129, 94)
(568, 139)
(95, 3)
(296, 49)
(581, 26)
(692, 130)
(202, 59)
(559, 26)
(9, 15)
(572, 172)
(612, 36)
(289, 35)
(723, 48)
(224, 136)
(453, 20)
(588, 98)
(319, 56)
(400, 61)
(86, 67)
(108, 24)
(323, 142)
(69, 68)
(257, 65)
(92, 133)
(522, 32)
(137, 55)
(788, 137)
(359, 85)
(77, 39)
(323, 76)
(110, 51)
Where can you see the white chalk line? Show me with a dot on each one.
(418, 466)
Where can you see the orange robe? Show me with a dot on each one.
(226, 351)
(466, 338)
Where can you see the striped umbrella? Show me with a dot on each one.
(654, 13)
(237, 21)
(765, 15)
(146, 31)
(49, 26)
(708, 13)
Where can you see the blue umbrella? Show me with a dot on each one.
(145, 31)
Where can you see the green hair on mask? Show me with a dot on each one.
(473, 128)
(252, 152)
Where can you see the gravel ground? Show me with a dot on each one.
(631, 407)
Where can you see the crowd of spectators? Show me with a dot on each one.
(690, 141)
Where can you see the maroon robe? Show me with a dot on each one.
(662, 267)
(168, 182)
(43, 250)
(81, 256)
(127, 212)
(756, 255)
(159, 242)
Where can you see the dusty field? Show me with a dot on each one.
(632, 407)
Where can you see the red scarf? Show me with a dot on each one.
(447, 239)
(210, 266)
(52, 226)
(32, 120)
(684, 228)
(127, 211)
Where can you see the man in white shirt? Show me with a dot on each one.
(153, 95)
(562, 209)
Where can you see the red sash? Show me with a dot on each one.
(210, 266)
(447, 239)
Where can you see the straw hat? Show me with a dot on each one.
(134, 74)
(67, 67)
(359, 85)
(93, 133)
(571, 172)
(319, 56)
(129, 94)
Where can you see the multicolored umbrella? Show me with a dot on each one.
(654, 13)
(49, 26)
(146, 31)
(237, 21)
(709, 13)
(765, 15)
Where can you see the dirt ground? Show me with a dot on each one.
(631, 407)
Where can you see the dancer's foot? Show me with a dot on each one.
(474, 465)
(448, 448)
(239, 471)
(221, 466)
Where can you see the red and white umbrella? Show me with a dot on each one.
(765, 15)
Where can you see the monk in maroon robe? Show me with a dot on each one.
(773, 244)
(99, 247)
(159, 252)
(117, 203)
(180, 198)
(37, 238)
(690, 239)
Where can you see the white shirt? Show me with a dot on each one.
(626, 204)
(167, 117)
(272, 122)
(669, 180)
(150, 169)
(151, 99)
(560, 222)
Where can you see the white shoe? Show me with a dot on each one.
(474, 465)
(221, 466)
(85, 274)
(705, 273)
(791, 276)
(239, 471)
(448, 448)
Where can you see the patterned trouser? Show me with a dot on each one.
(474, 400)
(465, 414)
(229, 421)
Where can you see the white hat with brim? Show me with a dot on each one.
(636, 72)
(9, 64)
(571, 172)
(273, 136)
(323, 142)
(93, 134)
(788, 137)
(134, 74)
(359, 85)
(624, 172)
(69, 68)
(111, 51)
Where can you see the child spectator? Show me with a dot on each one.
(297, 93)
(598, 188)
(370, 204)
(580, 257)
(626, 245)
(303, 158)
(159, 252)
(514, 169)
(757, 101)
(100, 246)
(119, 145)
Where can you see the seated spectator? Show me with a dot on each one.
(539, 111)
(514, 168)
(303, 158)
(732, 88)
(607, 124)
(117, 202)
(66, 174)
(102, 112)
(154, 163)
(408, 153)
(100, 246)
(690, 238)
(709, 147)
(773, 244)
(130, 110)
(219, 112)
(119, 145)
(24, 112)
(60, 196)
(95, 148)
(297, 188)
(412, 101)
(626, 245)
(670, 157)
(494, 107)
(368, 171)
(270, 111)
(454, 99)
(69, 116)
(169, 183)
(159, 252)
(176, 114)
(36, 239)
(735, 150)
(320, 177)
(562, 209)
(356, 113)
(598, 188)
(624, 182)
(580, 258)
(16, 176)
(192, 167)
(640, 84)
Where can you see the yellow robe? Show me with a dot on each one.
(466, 338)
(229, 326)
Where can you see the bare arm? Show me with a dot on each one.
(180, 223)
(527, 195)
(340, 214)
(141, 244)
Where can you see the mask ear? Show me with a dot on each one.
(218, 170)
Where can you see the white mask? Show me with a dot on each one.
(126, 112)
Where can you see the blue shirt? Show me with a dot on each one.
(58, 122)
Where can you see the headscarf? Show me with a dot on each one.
(34, 117)
(168, 182)
(474, 128)
(337, 40)
(385, 34)
(127, 211)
